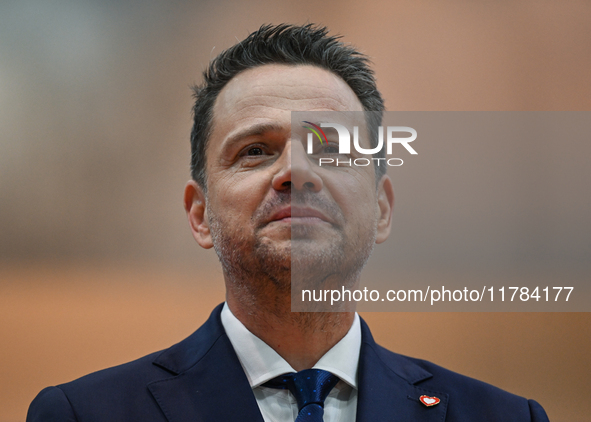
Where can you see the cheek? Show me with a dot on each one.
(231, 207)
(355, 193)
(236, 198)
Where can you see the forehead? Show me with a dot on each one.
(267, 95)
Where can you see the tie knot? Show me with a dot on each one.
(310, 386)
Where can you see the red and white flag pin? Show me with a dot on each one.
(429, 401)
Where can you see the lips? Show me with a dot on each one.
(308, 213)
(281, 214)
(303, 213)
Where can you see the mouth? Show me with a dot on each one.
(300, 215)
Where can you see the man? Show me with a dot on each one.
(267, 210)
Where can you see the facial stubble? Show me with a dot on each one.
(260, 270)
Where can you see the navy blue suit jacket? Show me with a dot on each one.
(201, 379)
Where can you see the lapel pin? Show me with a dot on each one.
(429, 401)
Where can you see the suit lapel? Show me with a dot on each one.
(387, 387)
(208, 383)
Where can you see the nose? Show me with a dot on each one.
(296, 170)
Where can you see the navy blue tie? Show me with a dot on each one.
(310, 387)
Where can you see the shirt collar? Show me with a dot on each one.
(261, 363)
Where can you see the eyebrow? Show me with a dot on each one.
(255, 130)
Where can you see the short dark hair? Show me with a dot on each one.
(280, 44)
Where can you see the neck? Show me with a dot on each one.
(301, 338)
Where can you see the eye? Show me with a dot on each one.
(330, 149)
(326, 149)
(255, 151)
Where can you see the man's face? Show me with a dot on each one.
(267, 204)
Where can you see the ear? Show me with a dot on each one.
(195, 206)
(385, 208)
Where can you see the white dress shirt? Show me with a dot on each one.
(261, 363)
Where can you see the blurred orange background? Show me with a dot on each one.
(97, 266)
